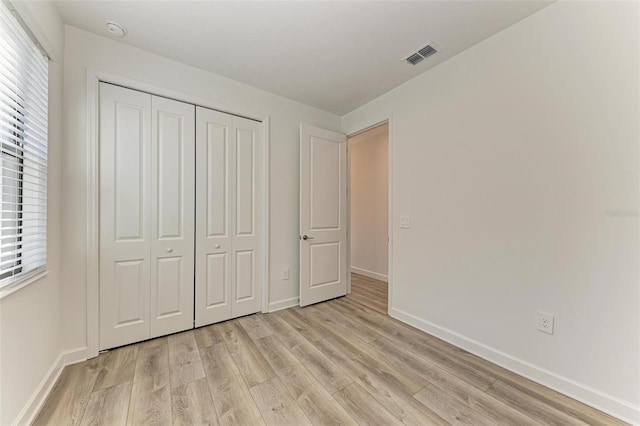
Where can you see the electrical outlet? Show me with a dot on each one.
(405, 222)
(544, 322)
(285, 273)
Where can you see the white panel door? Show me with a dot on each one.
(228, 216)
(172, 216)
(125, 163)
(323, 215)
(247, 199)
(214, 173)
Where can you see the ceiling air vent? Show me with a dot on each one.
(414, 59)
(422, 54)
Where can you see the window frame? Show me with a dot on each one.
(17, 158)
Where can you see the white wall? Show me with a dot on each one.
(85, 50)
(30, 323)
(368, 177)
(510, 158)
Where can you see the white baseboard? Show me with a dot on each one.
(616, 407)
(284, 304)
(370, 274)
(34, 404)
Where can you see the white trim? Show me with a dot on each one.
(33, 406)
(284, 304)
(93, 199)
(266, 158)
(92, 191)
(370, 274)
(348, 214)
(37, 33)
(74, 356)
(21, 281)
(616, 407)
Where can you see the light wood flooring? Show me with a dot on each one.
(369, 292)
(338, 362)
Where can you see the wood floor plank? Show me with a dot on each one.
(308, 331)
(277, 405)
(118, 366)
(397, 375)
(185, 365)
(363, 407)
(369, 289)
(466, 393)
(555, 399)
(151, 391)
(373, 296)
(386, 327)
(209, 335)
(231, 397)
(70, 395)
(314, 400)
(255, 328)
(345, 324)
(191, 404)
(469, 373)
(403, 406)
(252, 365)
(373, 318)
(375, 305)
(450, 409)
(377, 288)
(108, 406)
(331, 376)
(533, 408)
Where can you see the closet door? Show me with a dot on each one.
(213, 216)
(125, 163)
(172, 216)
(246, 258)
(228, 219)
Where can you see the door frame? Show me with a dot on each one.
(351, 131)
(92, 260)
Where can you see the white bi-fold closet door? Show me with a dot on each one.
(155, 233)
(228, 216)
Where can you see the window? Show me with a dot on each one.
(23, 142)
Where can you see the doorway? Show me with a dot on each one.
(368, 154)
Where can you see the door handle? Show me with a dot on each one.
(306, 237)
(169, 250)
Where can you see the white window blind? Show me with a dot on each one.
(23, 139)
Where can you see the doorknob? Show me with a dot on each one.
(306, 237)
(169, 250)
(217, 246)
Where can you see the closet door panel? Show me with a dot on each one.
(215, 174)
(172, 215)
(247, 155)
(125, 145)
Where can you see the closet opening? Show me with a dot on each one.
(181, 193)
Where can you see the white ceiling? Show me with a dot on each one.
(332, 55)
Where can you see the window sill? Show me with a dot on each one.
(22, 282)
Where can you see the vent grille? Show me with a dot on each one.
(427, 51)
(414, 59)
(422, 54)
